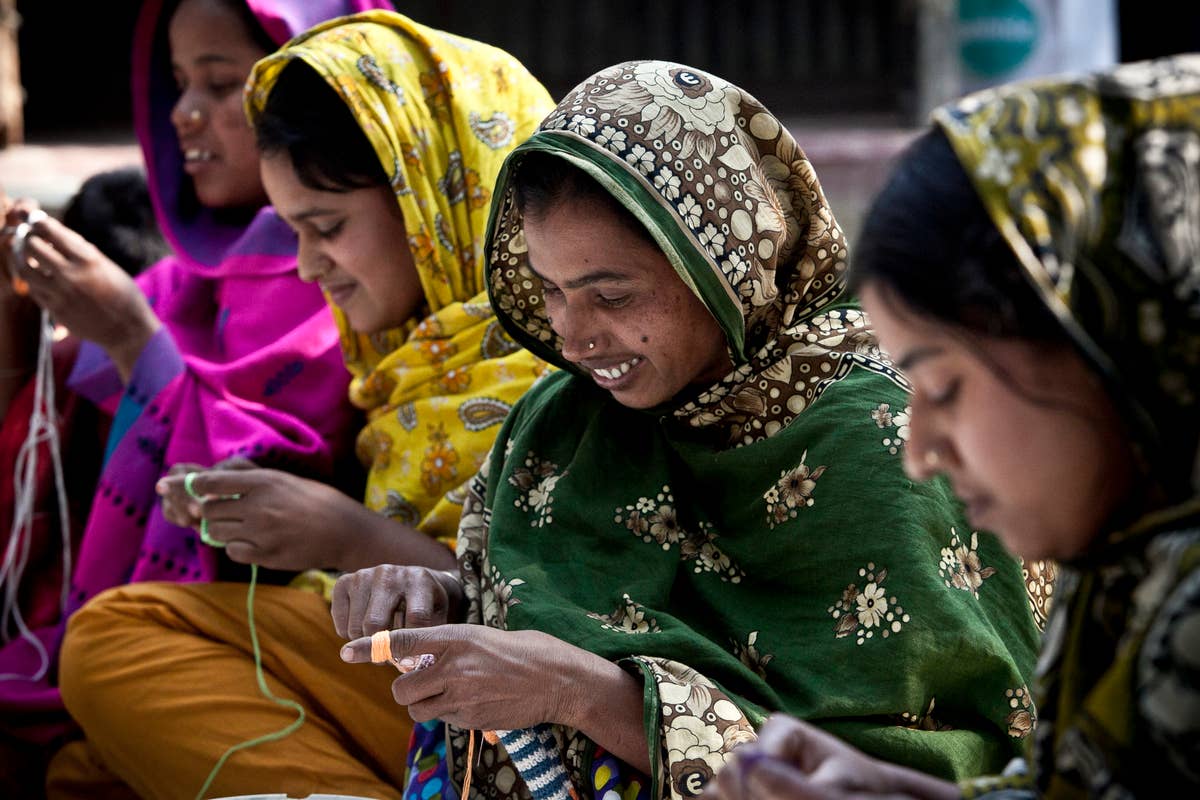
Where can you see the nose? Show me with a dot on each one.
(576, 327)
(188, 114)
(311, 263)
(927, 451)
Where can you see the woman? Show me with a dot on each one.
(1046, 311)
(187, 361)
(380, 140)
(702, 517)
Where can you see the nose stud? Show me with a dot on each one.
(932, 458)
(591, 345)
(194, 115)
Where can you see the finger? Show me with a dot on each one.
(421, 708)
(407, 642)
(181, 468)
(235, 462)
(50, 263)
(242, 552)
(789, 739)
(772, 779)
(359, 595)
(339, 606)
(225, 508)
(224, 483)
(70, 244)
(424, 603)
(386, 604)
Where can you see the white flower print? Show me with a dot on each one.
(792, 492)
(690, 210)
(997, 165)
(712, 239)
(960, 566)
(612, 139)
(886, 418)
(536, 479)
(629, 617)
(700, 105)
(655, 519)
(869, 610)
(872, 605)
(584, 126)
(498, 599)
(640, 159)
(667, 183)
(735, 267)
(748, 654)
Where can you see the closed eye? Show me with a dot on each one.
(946, 395)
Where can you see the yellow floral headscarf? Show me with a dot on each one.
(441, 112)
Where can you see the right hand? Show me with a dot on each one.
(390, 596)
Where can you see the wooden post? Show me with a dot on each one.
(12, 96)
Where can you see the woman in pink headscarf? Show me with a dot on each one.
(217, 352)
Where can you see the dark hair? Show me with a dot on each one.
(112, 210)
(305, 118)
(928, 241)
(543, 182)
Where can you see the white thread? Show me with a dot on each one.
(43, 429)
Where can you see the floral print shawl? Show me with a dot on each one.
(757, 546)
(441, 112)
(1095, 183)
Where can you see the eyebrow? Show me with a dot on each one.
(205, 60)
(916, 356)
(599, 276)
(309, 213)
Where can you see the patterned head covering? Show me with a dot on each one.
(736, 207)
(1094, 182)
(441, 112)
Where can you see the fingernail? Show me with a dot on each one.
(161, 487)
(195, 510)
(346, 653)
(407, 663)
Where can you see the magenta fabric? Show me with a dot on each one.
(248, 362)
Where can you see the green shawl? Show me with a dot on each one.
(1095, 183)
(756, 547)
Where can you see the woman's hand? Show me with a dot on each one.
(793, 760)
(487, 679)
(391, 596)
(84, 291)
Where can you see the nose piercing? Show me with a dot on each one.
(194, 115)
(591, 345)
(932, 458)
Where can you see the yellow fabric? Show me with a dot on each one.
(436, 392)
(190, 694)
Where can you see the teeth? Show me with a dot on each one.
(612, 373)
(197, 155)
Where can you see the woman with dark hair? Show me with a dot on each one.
(702, 517)
(184, 363)
(379, 140)
(1046, 309)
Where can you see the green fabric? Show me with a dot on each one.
(1095, 182)
(755, 547)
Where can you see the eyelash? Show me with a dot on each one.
(331, 233)
(614, 302)
(946, 396)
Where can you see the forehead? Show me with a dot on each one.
(579, 237)
(210, 29)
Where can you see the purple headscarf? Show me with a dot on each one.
(248, 362)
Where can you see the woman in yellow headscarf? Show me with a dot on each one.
(380, 141)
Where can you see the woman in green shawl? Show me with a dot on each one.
(703, 517)
(1048, 310)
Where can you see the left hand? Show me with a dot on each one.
(793, 760)
(487, 679)
(269, 517)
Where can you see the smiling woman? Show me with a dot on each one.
(703, 515)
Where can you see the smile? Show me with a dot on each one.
(192, 155)
(612, 373)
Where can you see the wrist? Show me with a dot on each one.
(131, 342)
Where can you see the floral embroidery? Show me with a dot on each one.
(536, 480)
(960, 565)
(498, 599)
(1023, 718)
(863, 611)
(748, 654)
(1039, 587)
(398, 508)
(922, 721)
(629, 617)
(374, 447)
(792, 492)
(885, 419)
(439, 466)
(456, 380)
(655, 519)
(436, 352)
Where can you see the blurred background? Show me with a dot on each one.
(854, 79)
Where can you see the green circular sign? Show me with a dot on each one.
(995, 36)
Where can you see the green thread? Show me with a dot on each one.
(188, 485)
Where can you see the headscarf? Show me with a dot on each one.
(227, 374)
(1094, 182)
(753, 546)
(441, 112)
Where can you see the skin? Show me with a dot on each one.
(604, 284)
(348, 244)
(211, 55)
(1023, 431)
(1031, 443)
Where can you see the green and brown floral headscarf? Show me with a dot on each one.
(738, 210)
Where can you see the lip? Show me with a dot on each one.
(977, 508)
(196, 159)
(339, 293)
(616, 374)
